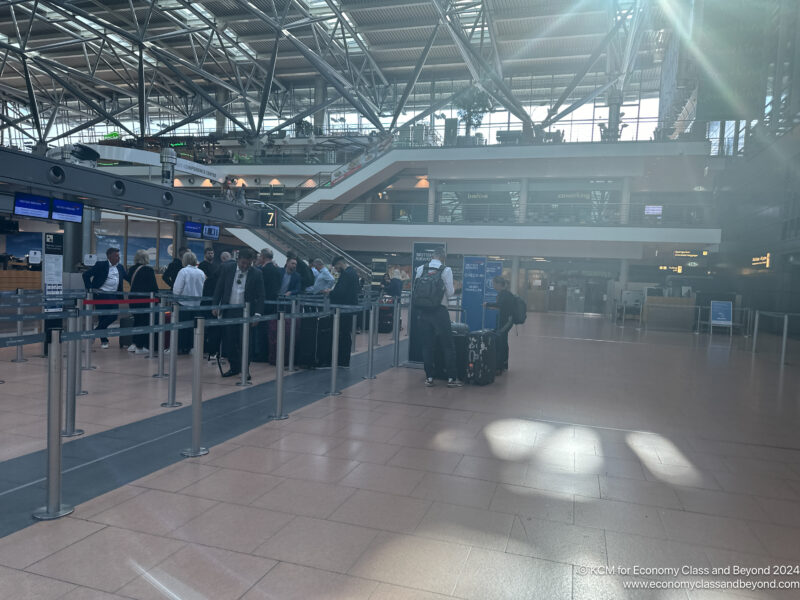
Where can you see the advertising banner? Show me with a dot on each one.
(472, 291)
(494, 268)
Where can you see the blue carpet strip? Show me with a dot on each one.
(105, 461)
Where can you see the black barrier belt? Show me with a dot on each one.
(116, 311)
(21, 340)
(207, 307)
(120, 331)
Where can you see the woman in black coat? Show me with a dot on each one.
(143, 280)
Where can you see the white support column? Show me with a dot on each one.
(523, 201)
(625, 202)
(623, 273)
(431, 200)
(515, 275)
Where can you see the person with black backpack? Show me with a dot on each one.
(432, 287)
(505, 305)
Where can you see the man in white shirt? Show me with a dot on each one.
(323, 280)
(434, 319)
(106, 277)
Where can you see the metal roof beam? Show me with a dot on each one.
(414, 77)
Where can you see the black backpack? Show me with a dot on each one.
(520, 312)
(428, 289)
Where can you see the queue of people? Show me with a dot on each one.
(252, 279)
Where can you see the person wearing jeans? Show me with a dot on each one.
(106, 277)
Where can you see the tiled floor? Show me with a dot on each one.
(600, 450)
(121, 390)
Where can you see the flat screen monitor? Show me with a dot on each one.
(28, 205)
(64, 210)
(211, 232)
(193, 230)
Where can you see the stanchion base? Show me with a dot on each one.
(21, 360)
(189, 453)
(41, 514)
(75, 433)
(239, 383)
(82, 393)
(92, 368)
(368, 377)
(157, 376)
(279, 417)
(333, 393)
(173, 405)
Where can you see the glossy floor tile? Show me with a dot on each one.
(600, 450)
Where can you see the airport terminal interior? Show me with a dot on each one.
(225, 367)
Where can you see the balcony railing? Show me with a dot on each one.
(535, 214)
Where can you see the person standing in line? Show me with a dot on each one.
(189, 282)
(211, 270)
(432, 288)
(143, 281)
(272, 276)
(505, 320)
(323, 280)
(290, 278)
(344, 292)
(239, 283)
(106, 276)
(172, 269)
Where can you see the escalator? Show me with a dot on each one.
(292, 234)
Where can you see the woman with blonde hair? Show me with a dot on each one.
(188, 283)
(143, 281)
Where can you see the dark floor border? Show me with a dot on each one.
(99, 463)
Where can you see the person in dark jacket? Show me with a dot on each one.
(344, 292)
(143, 281)
(239, 283)
(505, 320)
(106, 277)
(392, 287)
(273, 276)
(303, 270)
(290, 279)
(172, 269)
(211, 269)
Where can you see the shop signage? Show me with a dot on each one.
(764, 261)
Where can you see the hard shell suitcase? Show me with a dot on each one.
(305, 350)
(272, 340)
(460, 342)
(125, 340)
(481, 357)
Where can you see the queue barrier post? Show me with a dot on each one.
(197, 393)
(354, 330)
(335, 352)
(785, 338)
(373, 325)
(279, 362)
(245, 347)
(173, 360)
(151, 335)
(293, 336)
(162, 320)
(755, 331)
(88, 342)
(396, 332)
(73, 366)
(79, 391)
(20, 358)
(53, 508)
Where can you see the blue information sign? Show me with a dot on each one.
(721, 313)
(472, 291)
(494, 268)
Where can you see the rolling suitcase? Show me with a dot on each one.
(460, 333)
(481, 357)
(386, 314)
(305, 350)
(125, 340)
(272, 340)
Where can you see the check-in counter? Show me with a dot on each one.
(674, 314)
